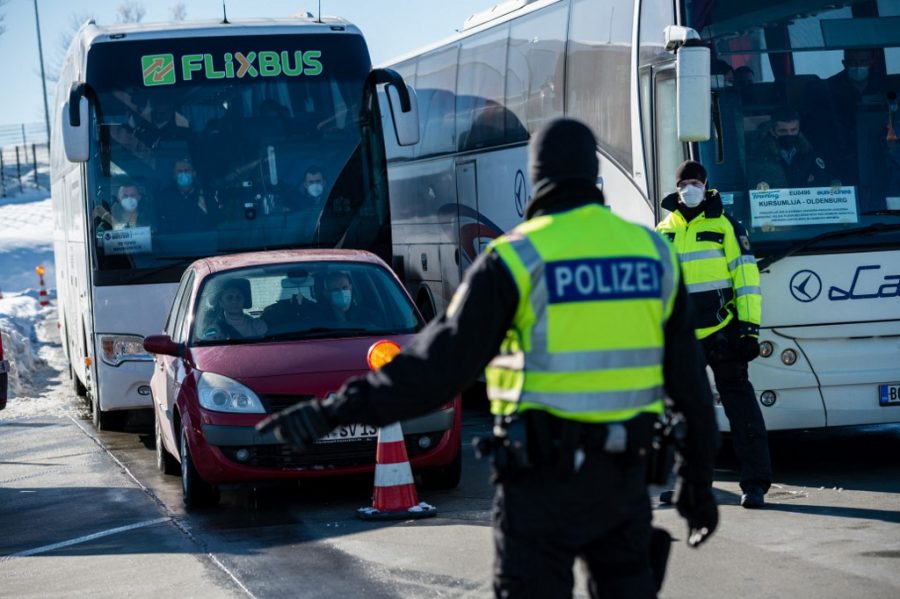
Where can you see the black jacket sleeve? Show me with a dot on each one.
(687, 385)
(444, 358)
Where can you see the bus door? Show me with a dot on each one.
(471, 239)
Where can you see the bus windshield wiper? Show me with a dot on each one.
(887, 212)
(181, 261)
(872, 229)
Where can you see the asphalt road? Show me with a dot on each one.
(832, 527)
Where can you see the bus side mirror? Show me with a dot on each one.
(692, 84)
(406, 124)
(75, 125)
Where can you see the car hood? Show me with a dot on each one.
(279, 359)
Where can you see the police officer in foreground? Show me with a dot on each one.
(583, 324)
(723, 282)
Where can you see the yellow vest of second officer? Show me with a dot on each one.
(586, 342)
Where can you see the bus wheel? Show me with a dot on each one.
(165, 461)
(80, 390)
(425, 307)
(103, 421)
(196, 492)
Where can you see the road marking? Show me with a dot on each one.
(173, 518)
(84, 539)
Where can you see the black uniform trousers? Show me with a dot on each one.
(748, 429)
(544, 520)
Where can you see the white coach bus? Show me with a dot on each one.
(178, 141)
(828, 239)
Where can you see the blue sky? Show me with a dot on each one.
(392, 27)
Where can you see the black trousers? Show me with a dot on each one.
(600, 514)
(748, 429)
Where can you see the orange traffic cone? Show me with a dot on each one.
(42, 293)
(395, 491)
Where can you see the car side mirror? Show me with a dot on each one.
(163, 345)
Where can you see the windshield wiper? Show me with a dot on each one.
(887, 212)
(316, 333)
(872, 229)
(149, 272)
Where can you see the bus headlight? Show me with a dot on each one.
(788, 357)
(115, 349)
(767, 398)
(222, 394)
(766, 349)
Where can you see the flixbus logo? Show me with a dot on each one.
(159, 69)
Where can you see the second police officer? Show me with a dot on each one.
(582, 321)
(723, 281)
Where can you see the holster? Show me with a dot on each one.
(668, 437)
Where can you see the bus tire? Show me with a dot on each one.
(425, 306)
(79, 389)
(196, 492)
(165, 461)
(103, 421)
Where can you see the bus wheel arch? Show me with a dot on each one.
(425, 303)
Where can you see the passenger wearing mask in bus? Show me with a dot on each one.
(779, 156)
(182, 203)
(128, 211)
(309, 201)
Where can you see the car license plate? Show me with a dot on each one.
(350, 432)
(889, 395)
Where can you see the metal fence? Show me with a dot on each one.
(23, 167)
(24, 158)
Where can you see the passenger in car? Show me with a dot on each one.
(289, 315)
(228, 319)
(340, 304)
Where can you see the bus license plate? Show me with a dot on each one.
(889, 395)
(350, 432)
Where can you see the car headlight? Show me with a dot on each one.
(222, 394)
(115, 349)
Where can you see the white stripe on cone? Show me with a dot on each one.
(393, 475)
(390, 433)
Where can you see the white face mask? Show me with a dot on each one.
(315, 189)
(340, 298)
(858, 73)
(129, 203)
(692, 195)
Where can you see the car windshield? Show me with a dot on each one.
(308, 300)
(806, 95)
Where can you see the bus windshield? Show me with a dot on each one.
(214, 145)
(806, 95)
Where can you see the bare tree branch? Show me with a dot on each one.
(130, 11)
(178, 11)
(2, 16)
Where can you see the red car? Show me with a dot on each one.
(250, 334)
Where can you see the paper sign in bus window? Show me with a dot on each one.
(136, 240)
(803, 206)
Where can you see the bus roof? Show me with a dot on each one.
(478, 22)
(91, 33)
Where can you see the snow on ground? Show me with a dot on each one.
(38, 377)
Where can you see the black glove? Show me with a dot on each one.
(696, 504)
(301, 425)
(747, 347)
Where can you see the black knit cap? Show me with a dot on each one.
(563, 150)
(690, 170)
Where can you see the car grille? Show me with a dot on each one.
(276, 403)
(320, 455)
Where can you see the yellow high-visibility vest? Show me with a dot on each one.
(720, 270)
(586, 342)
